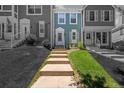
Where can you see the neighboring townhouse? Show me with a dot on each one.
(36, 20)
(8, 25)
(98, 20)
(67, 27)
(118, 31)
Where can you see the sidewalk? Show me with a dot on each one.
(108, 53)
(57, 73)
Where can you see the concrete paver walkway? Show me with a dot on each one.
(57, 73)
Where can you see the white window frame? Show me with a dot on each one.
(1, 10)
(34, 10)
(42, 34)
(103, 15)
(88, 15)
(64, 18)
(71, 17)
(102, 39)
(75, 31)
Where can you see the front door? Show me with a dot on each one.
(60, 37)
(25, 29)
(88, 38)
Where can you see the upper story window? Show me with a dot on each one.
(61, 18)
(34, 10)
(91, 15)
(5, 7)
(107, 15)
(73, 18)
(0, 7)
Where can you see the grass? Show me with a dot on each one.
(91, 73)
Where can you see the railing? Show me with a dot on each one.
(17, 38)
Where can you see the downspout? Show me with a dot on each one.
(51, 27)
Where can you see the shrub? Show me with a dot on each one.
(80, 45)
(31, 39)
(46, 44)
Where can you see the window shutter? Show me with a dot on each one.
(87, 15)
(102, 15)
(111, 15)
(96, 15)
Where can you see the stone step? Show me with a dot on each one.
(58, 52)
(58, 59)
(59, 49)
(55, 82)
(56, 70)
(58, 56)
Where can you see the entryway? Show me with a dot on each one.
(24, 27)
(96, 38)
(60, 37)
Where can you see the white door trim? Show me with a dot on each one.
(60, 30)
(42, 34)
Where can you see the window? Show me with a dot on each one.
(34, 9)
(41, 29)
(88, 36)
(59, 36)
(7, 7)
(92, 15)
(104, 37)
(98, 37)
(73, 18)
(74, 36)
(61, 18)
(107, 15)
(0, 7)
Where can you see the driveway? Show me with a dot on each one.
(107, 59)
(19, 65)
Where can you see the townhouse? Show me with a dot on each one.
(19, 21)
(36, 20)
(66, 27)
(98, 20)
(118, 31)
(8, 25)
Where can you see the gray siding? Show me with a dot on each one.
(5, 13)
(99, 22)
(34, 20)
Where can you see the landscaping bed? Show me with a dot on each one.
(92, 74)
(19, 65)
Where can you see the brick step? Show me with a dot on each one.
(56, 73)
(56, 70)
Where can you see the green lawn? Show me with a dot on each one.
(92, 73)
